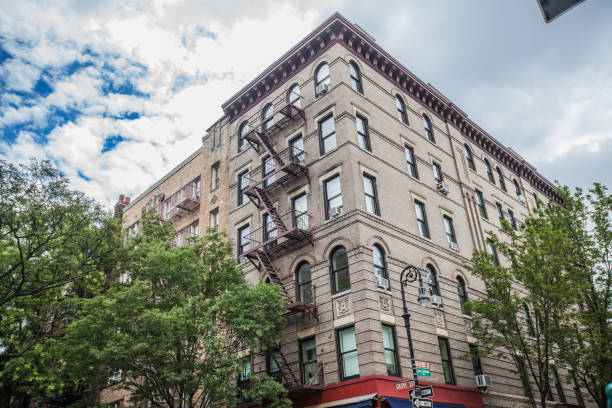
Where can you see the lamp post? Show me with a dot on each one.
(409, 275)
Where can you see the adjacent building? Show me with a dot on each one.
(334, 169)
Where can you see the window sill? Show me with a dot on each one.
(339, 294)
(466, 316)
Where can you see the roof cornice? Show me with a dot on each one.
(338, 30)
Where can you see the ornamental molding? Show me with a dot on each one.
(342, 306)
(338, 30)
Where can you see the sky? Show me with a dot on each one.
(117, 93)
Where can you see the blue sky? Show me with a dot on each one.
(117, 93)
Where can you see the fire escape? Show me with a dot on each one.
(280, 232)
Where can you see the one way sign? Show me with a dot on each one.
(425, 392)
(422, 403)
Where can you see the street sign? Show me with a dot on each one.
(422, 403)
(425, 392)
(423, 372)
(422, 364)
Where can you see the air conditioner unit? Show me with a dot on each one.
(322, 88)
(442, 188)
(382, 282)
(454, 246)
(436, 300)
(334, 212)
(521, 198)
(483, 381)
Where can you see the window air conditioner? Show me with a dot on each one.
(483, 381)
(382, 282)
(436, 300)
(334, 212)
(454, 246)
(521, 198)
(322, 88)
(442, 188)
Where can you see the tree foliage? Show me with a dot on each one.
(530, 311)
(175, 330)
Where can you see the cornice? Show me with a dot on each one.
(338, 30)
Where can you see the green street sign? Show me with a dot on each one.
(423, 372)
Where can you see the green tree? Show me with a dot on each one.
(56, 246)
(531, 297)
(175, 329)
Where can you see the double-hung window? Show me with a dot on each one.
(493, 252)
(299, 206)
(308, 361)
(469, 157)
(411, 161)
(391, 357)
(339, 269)
(327, 134)
(242, 132)
(476, 363)
(244, 382)
(243, 183)
(463, 297)
(428, 128)
(215, 175)
(356, 82)
(269, 231)
(421, 217)
(502, 181)
(214, 218)
(447, 362)
(512, 219)
(401, 109)
(274, 364)
(363, 133)
(268, 166)
(296, 146)
(437, 172)
(558, 385)
(432, 280)
(449, 229)
(489, 171)
(371, 198)
(243, 241)
(481, 204)
(303, 280)
(333, 196)
(267, 117)
(347, 353)
(500, 212)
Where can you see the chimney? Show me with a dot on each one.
(121, 204)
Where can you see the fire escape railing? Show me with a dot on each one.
(180, 203)
(283, 167)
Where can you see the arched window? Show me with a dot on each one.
(380, 267)
(428, 128)
(489, 171)
(469, 157)
(242, 131)
(355, 77)
(293, 96)
(338, 262)
(463, 298)
(517, 188)
(267, 117)
(303, 283)
(432, 280)
(322, 77)
(401, 109)
(528, 320)
(500, 176)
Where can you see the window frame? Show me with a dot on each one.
(299, 96)
(482, 209)
(240, 244)
(490, 174)
(558, 385)
(341, 353)
(363, 139)
(500, 212)
(267, 121)
(517, 188)
(356, 82)
(326, 79)
(215, 176)
(402, 113)
(299, 157)
(411, 161)
(437, 172)
(491, 250)
(432, 280)
(301, 360)
(268, 233)
(214, 214)
(264, 170)
(469, 157)
(512, 219)
(425, 230)
(299, 285)
(428, 126)
(500, 177)
(335, 272)
(393, 350)
(449, 229)
(476, 362)
(325, 194)
(449, 376)
(322, 138)
(372, 180)
(242, 197)
(463, 295)
(383, 267)
(243, 144)
(298, 219)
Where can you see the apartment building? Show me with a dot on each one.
(334, 169)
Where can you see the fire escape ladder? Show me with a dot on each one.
(264, 198)
(289, 376)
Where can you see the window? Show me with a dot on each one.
(419, 207)
(267, 117)
(437, 172)
(558, 385)
(362, 133)
(303, 279)
(492, 251)
(463, 297)
(401, 109)
(447, 363)
(243, 183)
(243, 241)
(432, 280)
(293, 96)
(482, 209)
(549, 395)
(500, 212)
(215, 173)
(299, 206)
(469, 157)
(476, 364)
(322, 77)
(502, 182)
(242, 132)
(347, 353)
(489, 171)
(371, 199)
(244, 373)
(578, 393)
(391, 357)
(296, 145)
(269, 230)
(214, 218)
(274, 364)
(194, 229)
(268, 166)
(428, 128)
(536, 200)
(512, 220)
(449, 229)
(355, 77)
(195, 188)
(327, 135)
(308, 360)
(339, 270)
(411, 162)
(333, 196)
(380, 265)
(517, 188)
(530, 328)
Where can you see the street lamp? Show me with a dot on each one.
(411, 273)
